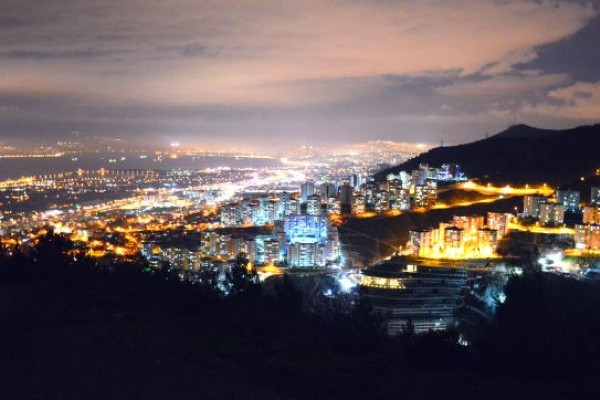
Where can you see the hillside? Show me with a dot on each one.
(71, 330)
(520, 154)
(368, 240)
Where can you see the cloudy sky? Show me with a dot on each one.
(267, 74)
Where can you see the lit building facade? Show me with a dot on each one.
(595, 196)
(311, 241)
(552, 214)
(569, 198)
(421, 243)
(499, 222)
(487, 241)
(306, 255)
(272, 253)
(306, 189)
(258, 211)
(591, 215)
(455, 242)
(587, 237)
(313, 204)
(531, 206)
(468, 222)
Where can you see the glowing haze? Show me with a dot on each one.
(275, 74)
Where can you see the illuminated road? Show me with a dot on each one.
(504, 192)
(559, 230)
(267, 271)
(468, 264)
(543, 190)
(443, 206)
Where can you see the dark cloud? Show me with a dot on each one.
(577, 55)
(287, 72)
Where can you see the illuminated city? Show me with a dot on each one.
(226, 199)
(226, 222)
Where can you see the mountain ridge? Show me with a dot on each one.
(526, 131)
(519, 154)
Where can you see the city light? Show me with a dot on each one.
(489, 189)
(346, 282)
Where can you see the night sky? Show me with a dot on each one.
(275, 74)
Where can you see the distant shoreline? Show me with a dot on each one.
(18, 167)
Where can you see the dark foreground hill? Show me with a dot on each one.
(521, 154)
(72, 330)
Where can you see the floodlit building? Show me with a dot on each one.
(272, 252)
(531, 206)
(454, 241)
(487, 240)
(306, 228)
(291, 206)
(311, 241)
(587, 237)
(306, 255)
(420, 243)
(258, 211)
(424, 195)
(591, 215)
(552, 214)
(414, 189)
(313, 204)
(468, 222)
(499, 222)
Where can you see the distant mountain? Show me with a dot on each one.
(526, 131)
(520, 154)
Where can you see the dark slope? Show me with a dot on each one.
(521, 154)
(100, 342)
